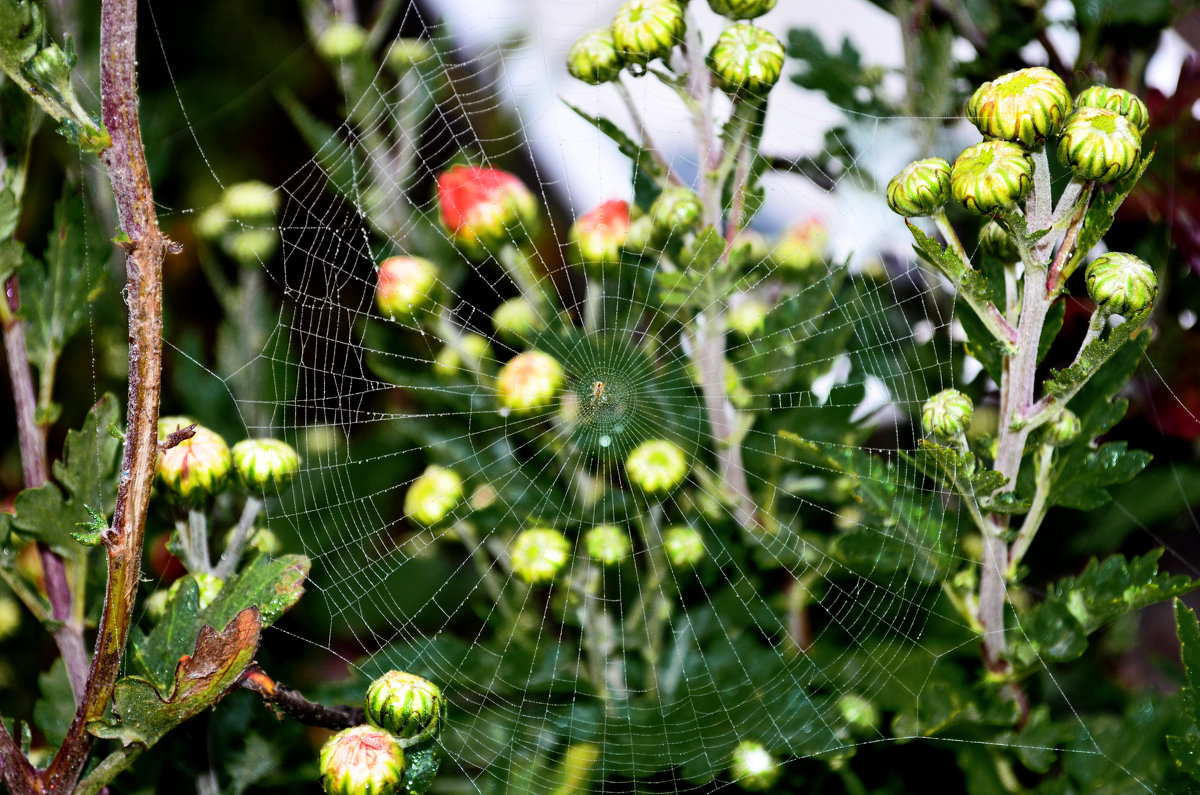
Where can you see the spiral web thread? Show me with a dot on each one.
(331, 345)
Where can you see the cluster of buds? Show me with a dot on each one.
(402, 709)
(657, 466)
(405, 286)
(196, 468)
(537, 555)
(485, 209)
(529, 382)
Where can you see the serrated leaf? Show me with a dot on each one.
(1056, 629)
(55, 293)
(1081, 481)
(1187, 626)
(962, 471)
(142, 716)
(1063, 383)
(88, 475)
(270, 585)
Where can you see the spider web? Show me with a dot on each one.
(783, 632)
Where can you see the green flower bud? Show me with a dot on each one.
(210, 585)
(530, 381)
(747, 318)
(597, 237)
(362, 760)
(684, 546)
(517, 320)
(641, 239)
(741, 9)
(341, 40)
(261, 540)
(251, 201)
(947, 414)
(657, 466)
(607, 544)
(405, 286)
(212, 223)
(921, 188)
(1100, 144)
(753, 767)
(265, 464)
(676, 211)
(996, 242)
(405, 705)
(196, 468)
(1027, 106)
(1118, 100)
(10, 617)
(433, 495)
(991, 177)
(594, 59)
(539, 554)
(858, 712)
(1121, 284)
(156, 605)
(406, 53)
(249, 246)
(746, 60)
(644, 30)
(802, 246)
(472, 350)
(1063, 429)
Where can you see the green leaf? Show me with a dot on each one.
(1056, 630)
(55, 707)
(706, 250)
(10, 211)
(1082, 478)
(55, 294)
(962, 471)
(840, 75)
(87, 474)
(142, 716)
(1185, 748)
(643, 162)
(1064, 383)
(257, 760)
(270, 585)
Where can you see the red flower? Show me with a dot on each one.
(597, 236)
(485, 208)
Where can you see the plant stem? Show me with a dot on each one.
(295, 705)
(1037, 511)
(68, 632)
(1057, 276)
(241, 534)
(107, 770)
(144, 247)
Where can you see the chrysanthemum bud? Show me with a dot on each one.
(594, 59)
(656, 466)
(539, 554)
(741, 9)
(405, 53)
(362, 760)
(747, 318)
(921, 188)
(597, 237)
(1121, 284)
(212, 223)
(405, 286)
(484, 209)
(947, 414)
(250, 202)
(647, 29)
(746, 60)
(996, 242)
(607, 544)
(1063, 429)
(676, 211)
(684, 546)
(802, 246)
(517, 320)
(251, 246)
(407, 706)
(465, 357)
(991, 177)
(859, 712)
(1118, 100)
(529, 381)
(195, 468)
(1099, 144)
(641, 238)
(753, 767)
(1027, 106)
(10, 616)
(265, 463)
(209, 585)
(341, 40)
(433, 495)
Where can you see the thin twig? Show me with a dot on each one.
(237, 543)
(145, 247)
(295, 705)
